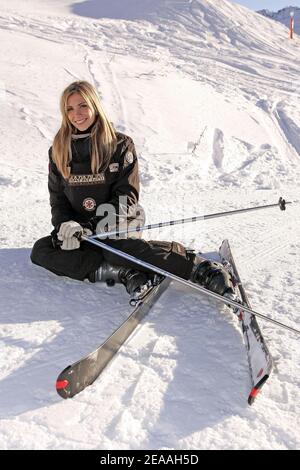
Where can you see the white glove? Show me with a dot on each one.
(66, 235)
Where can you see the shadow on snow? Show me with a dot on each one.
(209, 379)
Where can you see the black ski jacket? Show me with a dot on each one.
(78, 197)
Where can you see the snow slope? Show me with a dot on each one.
(209, 91)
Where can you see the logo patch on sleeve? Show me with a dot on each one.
(114, 167)
(129, 157)
(89, 204)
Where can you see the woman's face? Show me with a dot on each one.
(79, 113)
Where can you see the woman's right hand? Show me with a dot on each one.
(66, 234)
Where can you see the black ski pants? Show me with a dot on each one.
(82, 263)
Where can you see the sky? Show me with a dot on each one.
(272, 5)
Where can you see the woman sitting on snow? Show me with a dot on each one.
(94, 187)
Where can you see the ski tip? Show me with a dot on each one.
(60, 384)
(255, 390)
(253, 394)
(63, 388)
(63, 385)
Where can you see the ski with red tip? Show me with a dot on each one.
(259, 357)
(76, 377)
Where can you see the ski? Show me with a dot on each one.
(76, 377)
(259, 358)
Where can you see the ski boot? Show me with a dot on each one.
(213, 276)
(108, 273)
(130, 278)
(137, 283)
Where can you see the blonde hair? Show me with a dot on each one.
(103, 137)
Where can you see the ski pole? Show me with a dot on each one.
(194, 286)
(281, 203)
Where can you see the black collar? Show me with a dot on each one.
(76, 132)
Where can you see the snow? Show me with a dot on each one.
(209, 91)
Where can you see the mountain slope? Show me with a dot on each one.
(283, 16)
